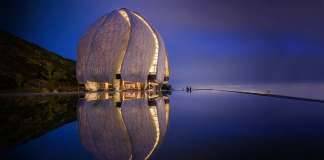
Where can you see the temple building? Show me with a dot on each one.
(122, 51)
(130, 128)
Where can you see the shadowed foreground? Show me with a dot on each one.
(28, 117)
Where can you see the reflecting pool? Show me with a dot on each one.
(139, 125)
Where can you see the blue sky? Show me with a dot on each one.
(209, 41)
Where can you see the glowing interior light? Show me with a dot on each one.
(94, 96)
(154, 115)
(167, 72)
(167, 110)
(89, 96)
(153, 67)
(106, 85)
(92, 86)
(120, 59)
(125, 15)
(122, 119)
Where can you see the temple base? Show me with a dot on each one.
(119, 85)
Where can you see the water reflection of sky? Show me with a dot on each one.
(201, 125)
(302, 90)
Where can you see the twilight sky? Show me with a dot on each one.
(209, 41)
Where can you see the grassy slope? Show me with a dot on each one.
(27, 67)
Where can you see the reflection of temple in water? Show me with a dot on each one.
(126, 125)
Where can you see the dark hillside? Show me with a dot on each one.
(27, 67)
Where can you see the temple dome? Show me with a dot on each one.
(122, 44)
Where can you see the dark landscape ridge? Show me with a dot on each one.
(27, 67)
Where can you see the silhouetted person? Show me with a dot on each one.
(190, 89)
(187, 89)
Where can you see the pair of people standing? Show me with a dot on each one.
(188, 89)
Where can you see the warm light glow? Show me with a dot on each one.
(167, 110)
(155, 118)
(107, 95)
(125, 15)
(106, 85)
(116, 97)
(91, 96)
(94, 96)
(167, 72)
(121, 58)
(131, 95)
(92, 86)
(153, 67)
(122, 119)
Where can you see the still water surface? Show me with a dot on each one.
(200, 125)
